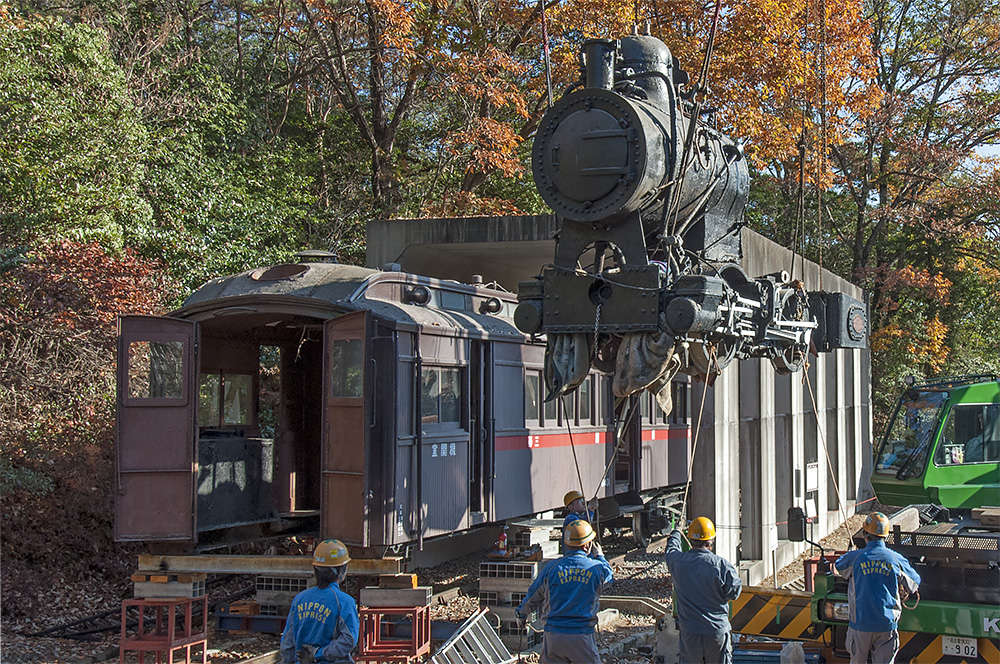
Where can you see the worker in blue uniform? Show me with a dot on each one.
(576, 509)
(571, 589)
(876, 576)
(704, 583)
(322, 623)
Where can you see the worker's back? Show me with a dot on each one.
(317, 615)
(573, 584)
(875, 573)
(703, 584)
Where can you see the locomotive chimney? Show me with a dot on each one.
(599, 55)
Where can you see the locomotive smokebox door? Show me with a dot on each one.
(155, 437)
(346, 381)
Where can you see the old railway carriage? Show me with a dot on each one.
(378, 406)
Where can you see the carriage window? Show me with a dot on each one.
(679, 392)
(345, 368)
(454, 301)
(236, 394)
(531, 389)
(224, 399)
(156, 370)
(658, 412)
(549, 411)
(209, 388)
(568, 403)
(971, 435)
(644, 406)
(586, 401)
(440, 396)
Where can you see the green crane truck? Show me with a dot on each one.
(942, 445)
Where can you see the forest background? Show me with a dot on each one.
(146, 147)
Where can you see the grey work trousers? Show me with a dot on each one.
(573, 648)
(706, 648)
(880, 646)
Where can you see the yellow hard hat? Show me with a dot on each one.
(578, 533)
(701, 529)
(330, 553)
(877, 524)
(571, 496)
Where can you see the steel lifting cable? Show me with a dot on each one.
(673, 208)
(576, 462)
(824, 139)
(821, 431)
(712, 362)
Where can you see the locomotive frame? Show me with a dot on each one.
(409, 408)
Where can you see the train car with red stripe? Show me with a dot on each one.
(374, 406)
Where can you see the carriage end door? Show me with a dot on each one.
(345, 430)
(155, 434)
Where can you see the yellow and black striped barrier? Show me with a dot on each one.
(924, 648)
(778, 614)
(785, 614)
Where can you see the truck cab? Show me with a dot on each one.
(942, 445)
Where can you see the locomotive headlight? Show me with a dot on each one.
(839, 611)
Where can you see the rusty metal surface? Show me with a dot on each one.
(276, 565)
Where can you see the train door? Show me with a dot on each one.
(155, 437)
(344, 428)
(481, 426)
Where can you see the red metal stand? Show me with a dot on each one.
(377, 648)
(170, 634)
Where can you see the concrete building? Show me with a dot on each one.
(760, 448)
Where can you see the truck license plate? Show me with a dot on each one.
(959, 646)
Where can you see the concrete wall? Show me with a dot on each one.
(760, 448)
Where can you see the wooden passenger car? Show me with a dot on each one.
(389, 407)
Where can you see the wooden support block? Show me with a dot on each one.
(244, 607)
(397, 581)
(153, 589)
(396, 597)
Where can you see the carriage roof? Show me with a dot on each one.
(326, 290)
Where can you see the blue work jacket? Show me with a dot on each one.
(571, 586)
(874, 575)
(326, 618)
(704, 584)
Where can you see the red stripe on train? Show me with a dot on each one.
(582, 438)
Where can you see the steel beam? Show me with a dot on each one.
(276, 565)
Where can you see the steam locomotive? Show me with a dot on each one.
(644, 282)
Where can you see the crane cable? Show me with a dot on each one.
(712, 361)
(821, 432)
(824, 139)
(673, 208)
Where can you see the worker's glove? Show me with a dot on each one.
(306, 654)
(597, 549)
(521, 622)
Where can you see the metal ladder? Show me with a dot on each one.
(475, 642)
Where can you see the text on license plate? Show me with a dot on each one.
(960, 646)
